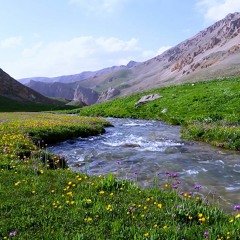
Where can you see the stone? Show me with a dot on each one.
(147, 98)
(164, 111)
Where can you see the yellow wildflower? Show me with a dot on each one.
(159, 205)
(17, 183)
(88, 219)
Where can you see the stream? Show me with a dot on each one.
(143, 150)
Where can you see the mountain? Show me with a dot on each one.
(77, 77)
(71, 91)
(211, 54)
(75, 91)
(55, 89)
(12, 89)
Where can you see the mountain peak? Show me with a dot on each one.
(231, 16)
(132, 64)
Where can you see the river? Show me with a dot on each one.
(143, 151)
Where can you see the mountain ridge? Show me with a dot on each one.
(210, 54)
(76, 77)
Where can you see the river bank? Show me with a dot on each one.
(207, 111)
(42, 203)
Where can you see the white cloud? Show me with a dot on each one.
(215, 10)
(85, 53)
(99, 5)
(11, 42)
(74, 56)
(163, 49)
(147, 54)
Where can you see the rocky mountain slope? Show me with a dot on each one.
(10, 88)
(77, 91)
(211, 54)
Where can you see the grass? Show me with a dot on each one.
(10, 105)
(208, 111)
(42, 200)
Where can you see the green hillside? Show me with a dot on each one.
(208, 111)
(10, 105)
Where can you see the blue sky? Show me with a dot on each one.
(60, 37)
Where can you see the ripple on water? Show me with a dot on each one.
(140, 150)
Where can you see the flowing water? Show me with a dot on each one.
(144, 150)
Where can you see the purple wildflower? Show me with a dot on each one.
(174, 175)
(236, 207)
(197, 186)
(13, 233)
(206, 234)
(167, 173)
(175, 186)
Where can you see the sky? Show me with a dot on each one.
(49, 38)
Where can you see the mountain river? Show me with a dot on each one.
(143, 151)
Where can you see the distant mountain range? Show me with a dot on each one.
(211, 54)
(77, 77)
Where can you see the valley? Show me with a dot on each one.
(91, 155)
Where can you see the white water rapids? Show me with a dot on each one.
(143, 151)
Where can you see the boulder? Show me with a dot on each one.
(147, 98)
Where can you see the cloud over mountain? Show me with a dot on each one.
(78, 54)
(218, 9)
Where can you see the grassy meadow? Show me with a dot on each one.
(11, 105)
(41, 198)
